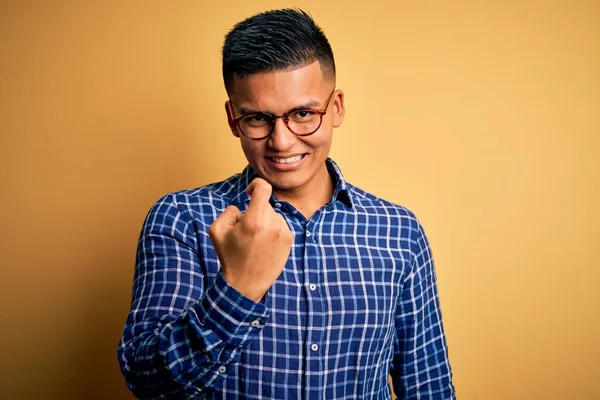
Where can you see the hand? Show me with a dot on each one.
(252, 247)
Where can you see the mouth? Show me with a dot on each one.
(288, 160)
(287, 163)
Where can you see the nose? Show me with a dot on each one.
(282, 138)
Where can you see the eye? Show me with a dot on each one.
(303, 115)
(257, 119)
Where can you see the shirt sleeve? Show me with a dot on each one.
(183, 331)
(421, 368)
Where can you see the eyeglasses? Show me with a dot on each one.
(300, 121)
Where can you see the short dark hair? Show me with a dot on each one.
(273, 41)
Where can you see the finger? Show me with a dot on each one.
(228, 219)
(259, 191)
(230, 216)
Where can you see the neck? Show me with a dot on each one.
(311, 196)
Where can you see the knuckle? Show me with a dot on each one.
(215, 227)
(230, 208)
(252, 228)
(262, 185)
(213, 231)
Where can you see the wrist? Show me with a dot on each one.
(245, 286)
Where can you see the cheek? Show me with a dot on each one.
(321, 143)
(253, 152)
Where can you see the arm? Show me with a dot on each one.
(183, 331)
(421, 368)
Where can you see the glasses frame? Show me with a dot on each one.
(285, 117)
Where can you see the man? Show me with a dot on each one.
(284, 281)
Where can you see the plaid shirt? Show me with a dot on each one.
(356, 302)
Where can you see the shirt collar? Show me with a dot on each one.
(340, 191)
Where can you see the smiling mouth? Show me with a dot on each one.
(288, 160)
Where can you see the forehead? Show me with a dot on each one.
(279, 90)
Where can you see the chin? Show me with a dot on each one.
(284, 184)
(287, 181)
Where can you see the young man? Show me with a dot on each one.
(284, 281)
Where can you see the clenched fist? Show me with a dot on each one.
(252, 247)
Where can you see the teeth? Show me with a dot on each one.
(287, 160)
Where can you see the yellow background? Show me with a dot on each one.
(482, 117)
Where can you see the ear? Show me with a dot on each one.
(229, 112)
(338, 108)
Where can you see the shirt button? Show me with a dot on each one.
(312, 286)
(314, 347)
(308, 234)
(222, 369)
(278, 205)
(255, 323)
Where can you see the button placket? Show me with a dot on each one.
(315, 304)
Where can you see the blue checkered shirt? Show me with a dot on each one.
(357, 301)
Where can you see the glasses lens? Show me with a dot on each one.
(300, 122)
(303, 122)
(256, 126)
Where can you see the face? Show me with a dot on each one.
(290, 163)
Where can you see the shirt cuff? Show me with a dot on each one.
(232, 316)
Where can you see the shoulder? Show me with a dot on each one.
(200, 203)
(402, 222)
(398, 222)
(368, 202)
(210, 194)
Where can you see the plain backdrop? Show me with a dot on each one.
(480, 116)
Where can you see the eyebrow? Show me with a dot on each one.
(308, 104)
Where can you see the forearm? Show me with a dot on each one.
(421, 367)
(185, 356)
